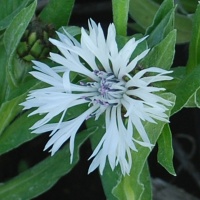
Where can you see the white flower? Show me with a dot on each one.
(110, 85)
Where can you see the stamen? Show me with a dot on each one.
(86, 98)
(110, 89)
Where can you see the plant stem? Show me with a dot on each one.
(120, 15)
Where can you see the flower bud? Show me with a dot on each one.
(35, 44)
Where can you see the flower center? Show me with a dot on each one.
(109, 89)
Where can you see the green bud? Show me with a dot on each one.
(22, 48)
(28, 58)
(35, 41)
(45, 36)
(37, 48)
(25, 35)
(44, 52)
(32, 38)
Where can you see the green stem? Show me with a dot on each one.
(194, 49)
(120, 15)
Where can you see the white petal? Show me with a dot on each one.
(65, 131)
(133, 63)
(71, 65)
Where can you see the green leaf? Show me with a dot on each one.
(57, 12)
(194, 50)
(17, 133)
(164, 9)
(44, 175)
(109, 178)
(30, 84)
(194, 100)
(9, 9)
(178, 73)
(16, 29)
(183, 24)
(3, 75)
(125, 189)
(191, 103)
(162, 55)
(109, 181)
(18, 70)
(145, 179)
(163, 23)
(186, 89)
(143, 12)
(11, 39)
(120, 15)
(197, 98)
(165, 150)
(72, 30)
(9, 110)
(189, 6)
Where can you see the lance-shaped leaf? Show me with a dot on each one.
(57, 12)
(162, 24)
(16, 29)
(194, 50)
(44, 175)
(9, 110)
(165, 150)
(3, 80)
(12, 37)
(143, 12)
(16, 133)
(186, 89)
(9, 9)
(120, 15)
(162, 55)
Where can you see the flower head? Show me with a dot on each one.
(110, 85)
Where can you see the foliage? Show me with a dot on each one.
(164, 27)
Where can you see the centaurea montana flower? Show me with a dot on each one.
(110, 86)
